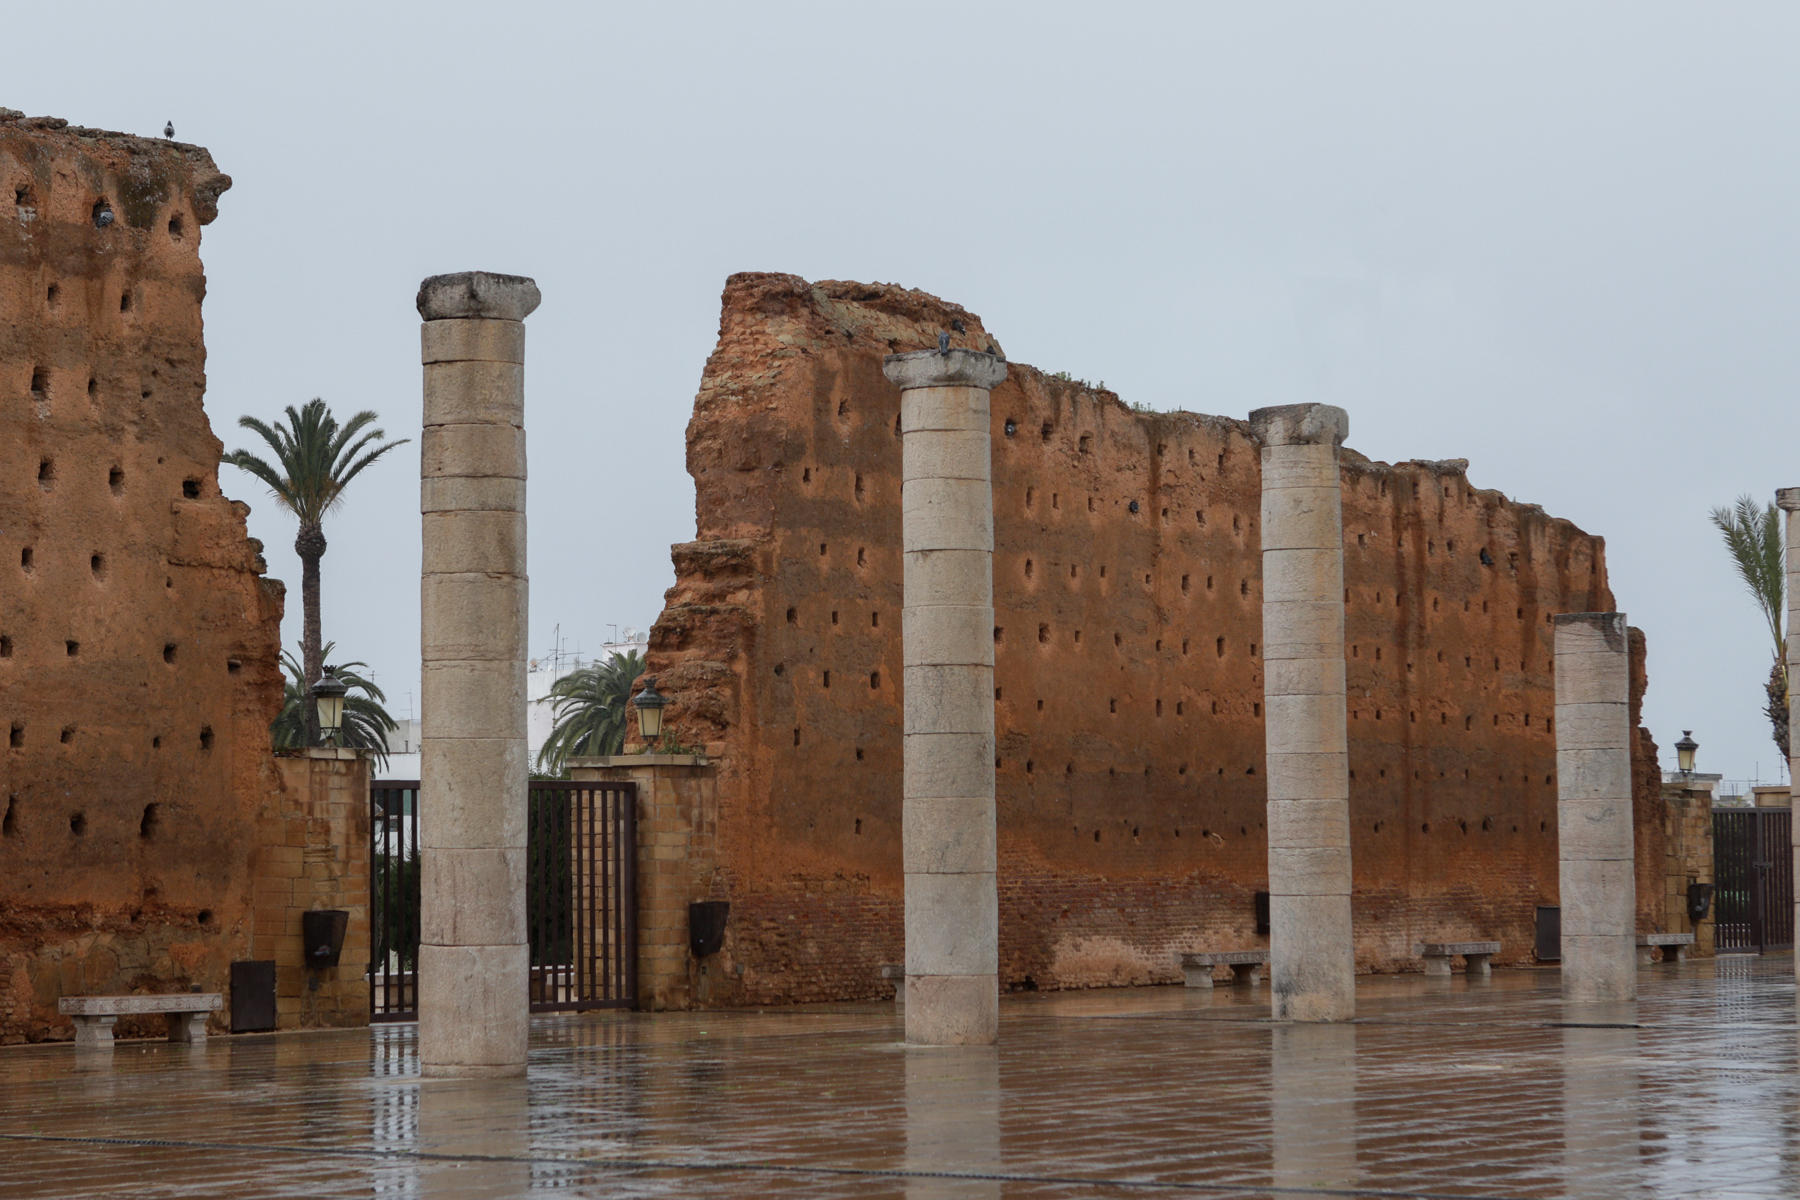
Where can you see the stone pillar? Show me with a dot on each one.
(1312, 952)
(1789, 501)
(473, 960)
(947, 620)
(1594, 832)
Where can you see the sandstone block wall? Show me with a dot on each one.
(312, 853)
(138, 639)
(1128, 678)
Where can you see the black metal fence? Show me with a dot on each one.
(581, 897)
(1753, 879)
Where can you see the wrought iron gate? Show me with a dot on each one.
(1753, 879)
(581, 897)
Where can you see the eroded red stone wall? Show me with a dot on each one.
(138, 640)
(1128, 678)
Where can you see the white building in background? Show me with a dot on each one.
(541, 672)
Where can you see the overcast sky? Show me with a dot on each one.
(1555, 239)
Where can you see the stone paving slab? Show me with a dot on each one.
(1455, 1088)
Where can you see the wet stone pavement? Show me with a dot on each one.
(1450, 1088)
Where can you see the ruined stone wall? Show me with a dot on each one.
(138, 669)
(1128, 679)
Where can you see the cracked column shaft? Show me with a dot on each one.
(1596, 880)
(473, 959)
(947, 618)
(1312, 951)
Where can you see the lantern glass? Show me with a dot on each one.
(1684, 751)
(328, 694)
(649, 703)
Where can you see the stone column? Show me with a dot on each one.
(473, 959)
(1789, 501)
(1312, 952)
(1593, 808)
(947, 621)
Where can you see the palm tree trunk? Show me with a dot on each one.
(310, 546)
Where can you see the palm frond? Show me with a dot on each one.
(1753, 539)
(590, 705)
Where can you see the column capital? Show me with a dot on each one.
(944, 368)
(1301, 424)
(1788, 499)
(478, 294)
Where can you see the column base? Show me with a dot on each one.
(952, 1010)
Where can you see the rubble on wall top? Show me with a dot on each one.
(206, 180)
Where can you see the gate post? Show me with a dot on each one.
(1788, 499)
(474, 961)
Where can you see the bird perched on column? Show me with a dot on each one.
(169, 130)
(943, 343)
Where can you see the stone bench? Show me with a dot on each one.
(95, 1015)
(895, 973)
(1437, 956)
(1197, 968)
(1673, 946)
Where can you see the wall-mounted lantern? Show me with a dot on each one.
(328, 693)
(649, 704)
(1684, 752)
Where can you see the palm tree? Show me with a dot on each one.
(315, 459)
(366, 721)
(1752, 534)
(590, 705)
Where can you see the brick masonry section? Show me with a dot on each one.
(1128, 678)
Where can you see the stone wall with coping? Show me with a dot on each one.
(313, 853)
(1687, 858)
(1128, 678)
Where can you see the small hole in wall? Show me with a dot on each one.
(93, 387)
(1112, 706)
(859, 485)
(46, 473)
(793, 616)
(16, 738)
(124, 302)
(1040, 706)
(825, 679)
(115, 479)
(874, 620)
(71, 648)
(77, 823)
(806, 475)
(97, 565)
(147, 823)
(1045, 430)
(156, 742)
(40, 384)
(1132, 507)
(1011, 427)
(1055, 499)
(1243, 587)
(780, 669)
(822, 549)
(1090, 501)
(999, 633)
(101, 214)
(1043, 633)
(5, 646)
(834, 616)
(1256, 709)
(1118, 641)
(796, 737)
(206, 737)
(67, 735)
(9, 824)
(875, 682)
(1030, 496)
(205, 916)
(175, 227)
(1085, 444)
(1029, 568)
(859, 754)
(24, 195)
(233, 666)
(1219, 647)
(190, 489)
(858, 828)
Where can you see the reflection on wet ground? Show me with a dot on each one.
(1451, 1088)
